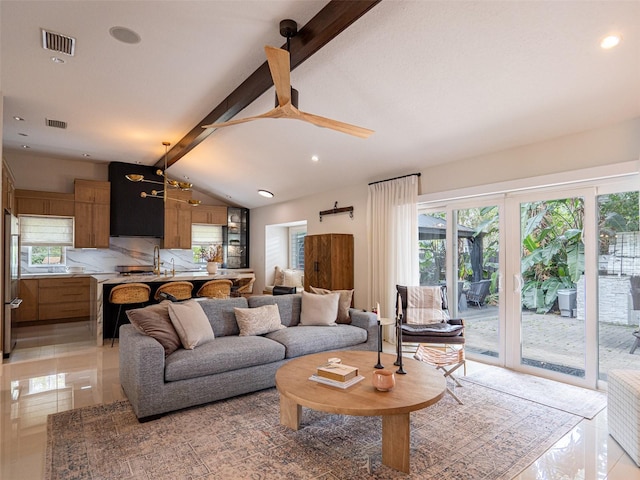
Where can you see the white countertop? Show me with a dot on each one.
(179, 276)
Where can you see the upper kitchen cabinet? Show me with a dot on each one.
(209, 214)
(177, 220)
(32, 202)
(92, 211)
(236, 238)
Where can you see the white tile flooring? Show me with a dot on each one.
(58, 367)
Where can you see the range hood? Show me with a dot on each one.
(132, 215)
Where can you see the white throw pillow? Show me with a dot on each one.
(319, 309)
(343, 305)
(279, 276)
(293, 278)
(258, 320)
(191, 323)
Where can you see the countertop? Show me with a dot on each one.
(115, 277)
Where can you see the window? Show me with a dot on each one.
(202, 236)
(296, 246)
(46, 238)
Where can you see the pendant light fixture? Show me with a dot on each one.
(167, 183)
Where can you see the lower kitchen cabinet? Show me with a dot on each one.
(54, 299)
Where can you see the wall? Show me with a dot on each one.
(610, 145)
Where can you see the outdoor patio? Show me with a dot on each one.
(554, 339)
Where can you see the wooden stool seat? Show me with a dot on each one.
(128, 294)
(179, 290)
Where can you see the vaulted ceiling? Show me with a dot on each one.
(437, 81)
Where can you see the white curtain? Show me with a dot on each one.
(392, 227)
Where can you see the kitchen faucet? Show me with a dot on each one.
(156, 260)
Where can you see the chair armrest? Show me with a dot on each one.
(369, 322)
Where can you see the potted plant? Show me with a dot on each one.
(213, 256)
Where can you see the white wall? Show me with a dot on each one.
(614, 144)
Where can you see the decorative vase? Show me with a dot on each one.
(212, 267)
(383, 380)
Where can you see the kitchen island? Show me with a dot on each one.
(102, 320)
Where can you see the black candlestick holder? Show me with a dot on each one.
(398, 361)
(379, 364)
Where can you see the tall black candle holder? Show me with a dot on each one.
(379, 364)
(398, 361)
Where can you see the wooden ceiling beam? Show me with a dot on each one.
(327, 24)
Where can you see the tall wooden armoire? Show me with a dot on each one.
(328, 261)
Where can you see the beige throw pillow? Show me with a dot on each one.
(191, 323)
(293, 278)
(279, 276)
(343, 305)
(319, 309)
(154, 321)
(258, 320)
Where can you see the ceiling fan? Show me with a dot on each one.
(286, 97)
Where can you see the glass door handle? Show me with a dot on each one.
(517, 281)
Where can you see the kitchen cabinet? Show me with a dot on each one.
(328, 261)
(33, 202)
(177, 220)
(28, 310)
(53, 299)
(8, 190)
(63, 298)
(209, 214)
(236, 238)
(92, 212)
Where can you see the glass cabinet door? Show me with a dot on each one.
(236, 238)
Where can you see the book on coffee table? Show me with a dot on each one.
(337, 372)
(334, 383)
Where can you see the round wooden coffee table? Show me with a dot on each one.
(420, 387)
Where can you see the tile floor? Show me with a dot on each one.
(58, 367)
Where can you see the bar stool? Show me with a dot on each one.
(216, 289)
(178, 290)
(244, 287)
(127, 294)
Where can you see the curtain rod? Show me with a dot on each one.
(396, 178)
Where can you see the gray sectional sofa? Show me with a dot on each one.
(230, 364)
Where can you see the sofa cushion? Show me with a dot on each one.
(288, 305)
(224, 354)
(259, 320)
(343, 305)
(303, 340)
(319, 309)
(191, 323)
(220, 313)
(154, 321)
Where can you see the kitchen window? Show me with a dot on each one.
(203, 235)
(46, 238)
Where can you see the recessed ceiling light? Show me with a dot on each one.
(265, 193)
(610, 41)
(25, 146)
(315, 158)
(57, 60)
(19, 119)
(23, 134)
(124, 35)
(86, 155)
(186, 177)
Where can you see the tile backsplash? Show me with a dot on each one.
(121, 251)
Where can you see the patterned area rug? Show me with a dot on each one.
(579, 401)
(492, 436)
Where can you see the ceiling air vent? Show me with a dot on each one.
(56, 123)
(58, 43)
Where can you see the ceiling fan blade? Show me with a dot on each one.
(280, 68)
(334, 125)
(273, 113)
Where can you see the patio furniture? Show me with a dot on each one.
(478, 292)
